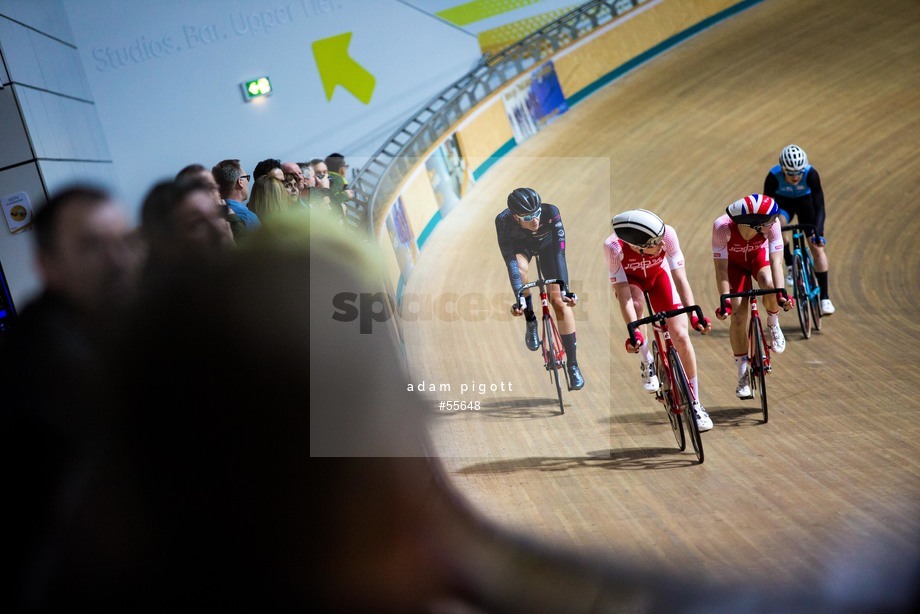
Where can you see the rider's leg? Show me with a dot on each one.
(565, 317)
(787, 253)
(820, 256)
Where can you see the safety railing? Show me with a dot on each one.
(377, 183)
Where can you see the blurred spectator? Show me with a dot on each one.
(323, 190)
(321, 172)
(234, 189)
(269, 197)
(269, 166)
(183, 228)
(338, 182)
(292, 186)
(53, 377)
(293, 168)
(197, 172)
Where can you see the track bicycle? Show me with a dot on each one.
(674, 387)
(550, 340)
(758, 347)
(805, 286)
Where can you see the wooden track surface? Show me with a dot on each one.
(832, 483)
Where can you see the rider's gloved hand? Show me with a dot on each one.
(570, 298)
(632, 349)
(704, 327)
(724, 311)
(818, 240)
(517, 310)
(786, 304)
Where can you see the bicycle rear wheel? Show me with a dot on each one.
(686, 402)
(800, 291)
(667, 397)
(758, 370)
(552, 364)
(814, 300)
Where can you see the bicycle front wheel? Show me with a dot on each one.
(686, 402)
(800, 291)
(814, 301)
(552, 363)
(667, 397)
(757, 366)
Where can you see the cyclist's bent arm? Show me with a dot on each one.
(721, 265)
(778, 269)
(817, 200)
(558, 239)
(775, 247)
(683, 286)
(720, 237)
(514, 272)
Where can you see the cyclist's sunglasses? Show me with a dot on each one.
(527, 218)
(762, 225)
(793, 173)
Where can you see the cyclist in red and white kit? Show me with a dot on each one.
(747, 242)
(643, 255)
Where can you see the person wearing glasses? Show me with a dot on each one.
(643, 255)
(527, 227)
(234, 189)
(796, 187)
(747, 242)
(320, 195)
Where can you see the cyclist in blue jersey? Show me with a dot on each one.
(796, 187)
(527, 227)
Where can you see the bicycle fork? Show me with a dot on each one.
(551, 330)
(764, 358)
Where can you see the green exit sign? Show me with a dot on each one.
(257, 88)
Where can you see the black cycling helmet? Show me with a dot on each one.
(524, 201)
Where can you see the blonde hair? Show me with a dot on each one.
(268, 197)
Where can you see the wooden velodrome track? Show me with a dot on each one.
(831, 484)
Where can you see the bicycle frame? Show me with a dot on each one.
(675, 390)
(550, 341)
(659, 322)
(758, 346)
(811, 290)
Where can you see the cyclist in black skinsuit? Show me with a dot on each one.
(527, 227)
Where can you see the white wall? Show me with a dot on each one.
(127, 92)
(49, 129)
(166, 76)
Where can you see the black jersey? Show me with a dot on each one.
(548, 240)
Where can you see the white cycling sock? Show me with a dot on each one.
(772, 318)
(742, 363)
(693, 390)
(645, 351)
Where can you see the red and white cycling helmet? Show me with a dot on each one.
(753, 210)
(793, 159)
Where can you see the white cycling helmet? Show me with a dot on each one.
(793, 158)
(639, 227)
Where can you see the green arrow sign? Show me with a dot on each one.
(336, 67)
